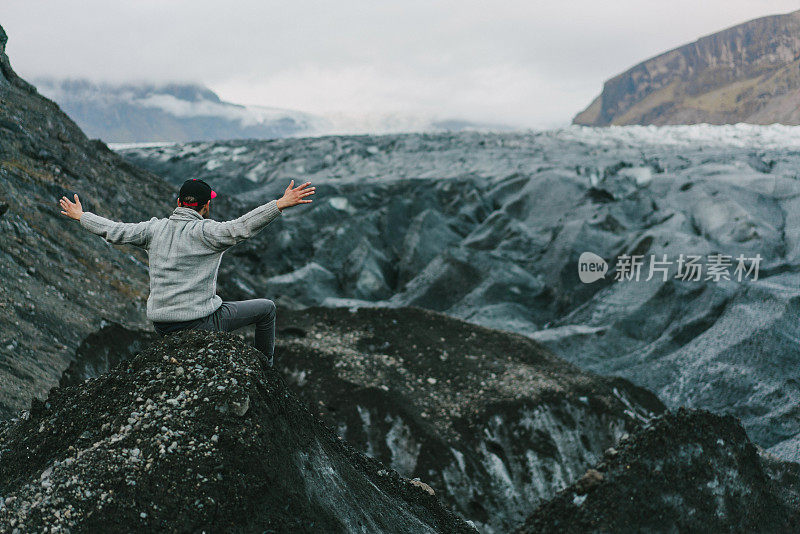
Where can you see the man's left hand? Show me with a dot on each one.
(295, 195)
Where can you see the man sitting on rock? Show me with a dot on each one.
(185, 251)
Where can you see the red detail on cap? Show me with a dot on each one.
(189, 204)
(213, 194)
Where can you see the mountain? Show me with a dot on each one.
(59, 283)
(690, 471)
(127, 113)
(490, 227)
(747, 73)
(191, 435)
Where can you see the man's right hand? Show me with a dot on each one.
(294, 196)
(73, 210)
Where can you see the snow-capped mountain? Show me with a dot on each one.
(180, 112)
(128, 113)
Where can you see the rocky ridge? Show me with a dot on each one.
(60, 282)
(493, 421)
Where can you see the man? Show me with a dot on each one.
(185, 251)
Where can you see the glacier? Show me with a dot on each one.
(488, 227)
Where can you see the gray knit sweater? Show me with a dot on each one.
(185, 251)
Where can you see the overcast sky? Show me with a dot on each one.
(527, 63)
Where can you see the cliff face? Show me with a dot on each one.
(191, 435)
(747, 73)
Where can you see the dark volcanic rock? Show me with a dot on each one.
(191, 435)
(103, 350)
(494, 422)
(60, 282)
(690, 471)
(747, 73)
(9, 77)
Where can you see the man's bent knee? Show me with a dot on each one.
(268, 308)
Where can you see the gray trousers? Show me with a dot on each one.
(232, 315)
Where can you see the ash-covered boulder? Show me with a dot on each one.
(690, 471)
(492, 421)
(191, 435)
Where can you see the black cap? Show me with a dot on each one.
(197, 189)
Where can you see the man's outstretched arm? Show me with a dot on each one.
(112, 231)
(222, 235)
